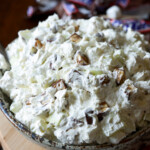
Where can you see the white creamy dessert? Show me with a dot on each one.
(79, 81)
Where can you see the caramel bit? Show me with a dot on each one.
(75, 38)
(130, 89)
(82, 59)
(77, 28)
(28, 103)
(104, 80)
(59, 85)
(120, 77)
(104, 107)
(100, 115)
(38, 44)
(103, 111)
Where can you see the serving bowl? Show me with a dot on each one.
(127, 143)
(133, 140)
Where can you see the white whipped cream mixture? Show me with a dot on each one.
(79, 81)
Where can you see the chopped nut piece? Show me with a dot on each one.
(59, 85)
(75, 38)
(104, 80)
(38, 44)
(77, 28)
(120, 75)
(104, 107)
(82, 59)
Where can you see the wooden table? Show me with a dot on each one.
(11, 139)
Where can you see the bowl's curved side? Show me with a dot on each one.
(4, 106)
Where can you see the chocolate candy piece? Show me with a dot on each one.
(86, 3)
(43, 8)
(123, 3)
(88, 116)
(89, 119)
(31, 11)
(137, 25)
(69, 8)
(100, 6)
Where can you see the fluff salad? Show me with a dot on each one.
(79, 81)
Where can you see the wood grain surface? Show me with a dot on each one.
(11, 139)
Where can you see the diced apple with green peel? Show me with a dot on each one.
(15, 107)
(43, 126)
(14, 59)
(55, 118)
(47, 82)
(26, 34)
(118, 61)
(96, 72)
(39, 126)
(118, 56)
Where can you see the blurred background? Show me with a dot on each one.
(13, 18)
(17, 15)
